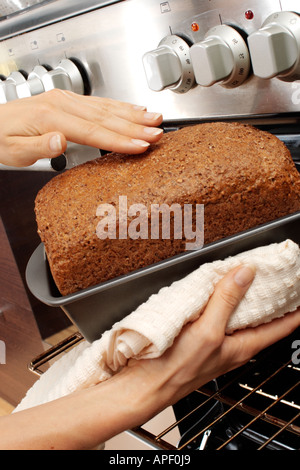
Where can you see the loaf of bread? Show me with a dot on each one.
(244, 177)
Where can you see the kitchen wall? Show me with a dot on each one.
(18, 190)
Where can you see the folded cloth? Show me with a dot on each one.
(153, 326)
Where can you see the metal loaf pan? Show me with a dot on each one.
(97, 308)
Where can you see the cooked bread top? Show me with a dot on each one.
(211, 161)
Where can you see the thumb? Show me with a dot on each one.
(48, 145)
(55, 143)
(25, 151)
(227, 295)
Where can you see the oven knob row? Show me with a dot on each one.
(66, 76)
(275, 48)
(225, 57)
(222, 57)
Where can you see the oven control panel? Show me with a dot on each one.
(226, 54)
(188, 60)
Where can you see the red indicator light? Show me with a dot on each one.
(249, 15)
(195, 27)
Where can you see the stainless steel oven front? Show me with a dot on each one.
(192, 60)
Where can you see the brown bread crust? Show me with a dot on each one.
(243, 176)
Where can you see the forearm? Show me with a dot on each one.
(84, 419)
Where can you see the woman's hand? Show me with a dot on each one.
(40, 126)
(203, 351)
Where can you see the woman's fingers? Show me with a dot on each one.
(83, 132)
(102, 122)
(25, 151)
(103, 114)
(114, 135)
(95, 108)
(39, 127)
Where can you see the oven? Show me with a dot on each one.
(193, 61)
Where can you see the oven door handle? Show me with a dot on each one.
(54, 351)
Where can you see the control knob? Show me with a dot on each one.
(169, 66)
(275, 48)
(222, 56)
(16, 86)
(14, 80)
(66, 76)
(35, 80)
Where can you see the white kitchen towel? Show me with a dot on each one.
(153, 326)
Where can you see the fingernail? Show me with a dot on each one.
(140, 108)
(152, 116)
(55, 144)
(140, 143)
(153, 130)
(244, 276)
